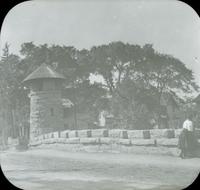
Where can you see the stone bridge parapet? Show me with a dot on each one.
(153, 137)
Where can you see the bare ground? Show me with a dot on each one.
(61, 169)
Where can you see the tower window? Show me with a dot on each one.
(52, 112)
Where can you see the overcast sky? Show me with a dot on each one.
(171, 26)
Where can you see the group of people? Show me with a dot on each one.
(188, 143)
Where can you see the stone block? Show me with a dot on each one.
(84, 133)
(72, 134)
(51, 135)
(126, 142)
(169, 133)
(146, 134)
(46, 136)
(56, 134)
(35, 139)
(114, 133)
(60, 140)
(157, 133)
(89, 140)
(40, 137)
(173, 142)
(118, 133)
(72, 140)
(99, 132)
(46, 141)
(51, 141)
(135, 134)
(35, 143)
(64, 134)
(124, 134)
(105, 140)
(143, 142)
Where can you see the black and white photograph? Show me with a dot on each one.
(100, 95)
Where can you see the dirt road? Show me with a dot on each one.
(60, 170)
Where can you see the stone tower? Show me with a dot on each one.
(46, 111)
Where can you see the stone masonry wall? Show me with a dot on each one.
(42, 118)
(161, 137)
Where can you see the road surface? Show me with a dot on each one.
(49, 169)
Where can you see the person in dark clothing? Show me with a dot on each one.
(187, 140)
(182, 143)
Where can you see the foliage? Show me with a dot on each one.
(134, 78)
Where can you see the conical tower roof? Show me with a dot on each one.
(42, 72)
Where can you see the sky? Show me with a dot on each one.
(173, 27)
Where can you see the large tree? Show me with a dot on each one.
(114, 62)
(13, 95)
(140, 75)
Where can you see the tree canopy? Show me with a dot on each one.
(134, 78)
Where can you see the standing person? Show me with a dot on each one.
(182, 143)
(190, 137)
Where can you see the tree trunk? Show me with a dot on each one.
(5, 129)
